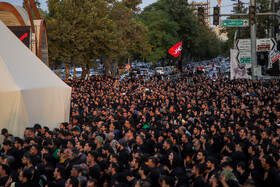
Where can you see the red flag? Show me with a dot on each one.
(176, 50)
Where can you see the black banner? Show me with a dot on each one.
(22, 32)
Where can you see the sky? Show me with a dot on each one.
(226, 4)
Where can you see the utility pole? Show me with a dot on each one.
(253, 28)
(239, 11)
(272, 29)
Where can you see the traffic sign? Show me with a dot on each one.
(243, 45)
(265, 44)
(244, 57)
(127, 67)
(235, 23)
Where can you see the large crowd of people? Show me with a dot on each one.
(183, 131)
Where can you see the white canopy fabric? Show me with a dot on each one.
(30, 92)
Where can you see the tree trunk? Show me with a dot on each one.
(84, 72)
(113, 68)
(107, 64)
(67, 70)
(74, 68)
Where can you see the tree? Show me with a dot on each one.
(163, 33)
(82, 30)
(178, 24)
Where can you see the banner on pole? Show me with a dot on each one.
(176, 50)
(238, 70)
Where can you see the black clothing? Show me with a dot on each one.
(3, 180)
(94, 172)
(273, 178)
(154, 175)
(198, 182)
(187, 150)
(132, 183)
(58, 183)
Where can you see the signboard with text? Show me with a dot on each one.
(235, 23)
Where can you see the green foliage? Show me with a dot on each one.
(172, 21)
(84, 29)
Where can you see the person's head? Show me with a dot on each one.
(76, 170)
(114, 168)
(139, 139)
(82, 181)
(89, 145)
(18, 143)
(25, 175)
(167, 144)
(211, 163)
(253, 150)
(135, 163)
(249, 183)
(10, 160)
(72, 182)
(143, 183)
(196, 130)
(243, 133)
(4, 132)
(201, 155)
(98, 141)
(74, 153)
(122, 143)
(240, 167)
(59, 172)
(168, 181)
(214, 180)
(267, 162)
(80, 145)
(49, 134)
(46, 158)
(92, 157)
(185, 138)
(4, 170)
(182, 130)
(35, 149)
(196, 170)
(27, 158)
(7, 144)
(92, 183)
(152, 162)
(204, 138)
(71, 143)
(144, 170)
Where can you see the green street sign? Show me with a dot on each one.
(245, 60)
(235, 23)
(244, 57)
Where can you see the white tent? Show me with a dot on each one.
(30, 92)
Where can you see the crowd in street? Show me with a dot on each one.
(162, 132)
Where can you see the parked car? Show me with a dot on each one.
(160, 70)
(167, 71)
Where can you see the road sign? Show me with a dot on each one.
(244, 57)
(127, 67)
(235, 23)
(243, 45)
(265, 44)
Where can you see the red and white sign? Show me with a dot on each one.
(176, 50)
(127, 66)
(273, 57)
(265, 44)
